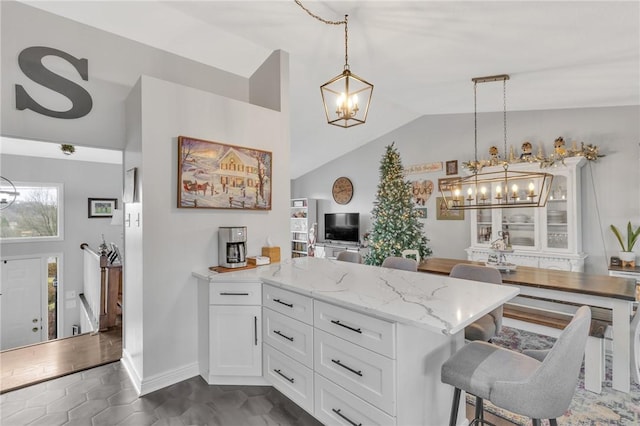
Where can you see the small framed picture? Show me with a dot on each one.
(443, 212)
(452, 167)
(102, 207)
(422, 212)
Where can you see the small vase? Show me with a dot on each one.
(628, 259)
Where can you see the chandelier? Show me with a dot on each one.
(501, 188)
(346, 97)
(8, 193)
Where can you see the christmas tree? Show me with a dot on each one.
(395, 220)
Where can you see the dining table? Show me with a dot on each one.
(604, 291)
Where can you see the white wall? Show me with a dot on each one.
(81, 180)
(176, 241)
(115, 64)
(613, 196)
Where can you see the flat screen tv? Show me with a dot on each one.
(342, 227)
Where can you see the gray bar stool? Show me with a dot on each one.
(536, 384)
(490, 324)
(397, 262)
(349, 256)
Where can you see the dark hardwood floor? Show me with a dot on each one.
(30, 365)
(37, 363)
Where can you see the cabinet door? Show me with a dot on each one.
(558, 215)
(235, 341)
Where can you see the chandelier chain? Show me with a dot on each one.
(504, 100)
(475, 121)
(328, 22)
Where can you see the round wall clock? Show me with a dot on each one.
(342, 190)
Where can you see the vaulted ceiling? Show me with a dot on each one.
(420, 55)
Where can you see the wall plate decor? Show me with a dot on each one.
(213, 175)
(342, 190)
(422, 190)
(102, 207)
(442, 213)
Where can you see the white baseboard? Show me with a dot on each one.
(127, 362)
(238, 380)
(162, 380)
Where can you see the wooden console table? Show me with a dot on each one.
(617, 294)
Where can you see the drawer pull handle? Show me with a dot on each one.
(282, 335)
(290, 379)
(337, 322)
(231, 293)
(289, 305)
(337, 361)
(345, 417)
(255, 330)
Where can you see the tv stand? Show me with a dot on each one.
(330, 249)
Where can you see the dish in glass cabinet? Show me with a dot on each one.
(519, 218)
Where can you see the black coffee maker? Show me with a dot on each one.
(232, 246)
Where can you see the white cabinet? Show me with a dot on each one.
(230, 332)
(235, 343)
(303, 226)
(288, 350)
(545, 237)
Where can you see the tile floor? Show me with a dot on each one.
(104, 396)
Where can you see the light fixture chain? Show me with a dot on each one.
(504, 100)
(346, 39)
(299, 3)
(475, 122)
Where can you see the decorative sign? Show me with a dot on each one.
(422, 168)
(30, 62)
(422, 190)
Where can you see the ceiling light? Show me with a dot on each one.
(502, 187)
(346, 97)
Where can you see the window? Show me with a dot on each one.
(36, 215)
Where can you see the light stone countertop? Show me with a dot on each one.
(435, 302)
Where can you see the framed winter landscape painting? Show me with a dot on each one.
(212, 175)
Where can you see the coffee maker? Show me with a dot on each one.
(232, 246)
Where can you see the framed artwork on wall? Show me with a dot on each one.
(213, 175)
(452, 167)
(442, 213)
(421, 191)
(101, 207)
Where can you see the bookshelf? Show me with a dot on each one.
(303, 226)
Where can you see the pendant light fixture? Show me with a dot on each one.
(346, 97)
(8, 193)
(496, 189)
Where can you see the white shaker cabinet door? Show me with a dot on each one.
(235, 341)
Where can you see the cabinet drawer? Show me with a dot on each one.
(290, 336)
(288, 376)
(335, 406)
(367, 374)
(286, 302)
(221, 293)
(368, 332)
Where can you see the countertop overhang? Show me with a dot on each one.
(435, 302)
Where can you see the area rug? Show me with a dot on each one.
(611, 407)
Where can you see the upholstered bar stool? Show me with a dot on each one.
(537, 384)
(349, 256)
(396, 262)
(490, 324)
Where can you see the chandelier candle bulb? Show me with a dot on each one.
(532, 190)
(514, 189)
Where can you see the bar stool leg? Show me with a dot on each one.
(453, 418)
(480, 409)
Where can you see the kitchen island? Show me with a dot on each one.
(350, 343)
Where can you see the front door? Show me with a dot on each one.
(20, 303)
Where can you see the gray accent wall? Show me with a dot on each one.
(610, 185)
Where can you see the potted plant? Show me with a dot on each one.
(626, 254)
